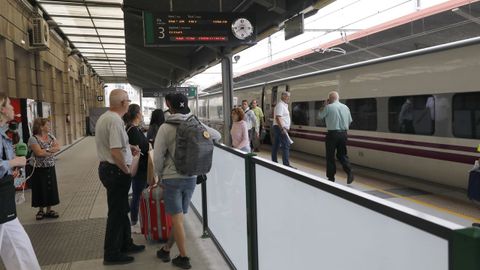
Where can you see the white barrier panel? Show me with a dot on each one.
(227, 218)
(197, 199)
(304, 227)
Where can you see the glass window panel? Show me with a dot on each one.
(300, 113)
(109, 32)
(466, 115)
(84, 39)
(319, 122)
(364, 113)
(108, 23)
(87, 45)
(106, 1)
(83, 31)
(73, 21)
(95, 50)
(113, 12)
(65, 10)
(412, 114)
(113, 40)
(114, 46)
(114, 51)
(94, 55)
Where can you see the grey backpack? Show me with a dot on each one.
(194, 147)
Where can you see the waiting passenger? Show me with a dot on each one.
(136, 137)
(405, 117)
(44, 178)
(157, 119)
(239, 131)
(260, 120)
(15, 247)
(281, 125)
(116, 157)
(338, 120)
(251, 119)
(178, 188)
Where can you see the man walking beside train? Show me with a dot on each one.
(338, 119)
(281, 125)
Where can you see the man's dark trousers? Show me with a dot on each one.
(336, 140)
(118, 234)
(281, 141)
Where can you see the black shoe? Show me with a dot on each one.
(182, 262)
(331, 179)
(350, 178)
(292, 167)
(119, 259)
(163, 255)
(132, 248)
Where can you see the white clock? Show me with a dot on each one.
(242, 28)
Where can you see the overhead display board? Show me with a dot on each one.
(189, 91)
(184, 29)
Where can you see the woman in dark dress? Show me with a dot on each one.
(132, 119)
(157, 119)
(44, 179)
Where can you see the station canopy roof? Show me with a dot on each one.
(109, 35)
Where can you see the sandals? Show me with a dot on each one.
(40, 215)
(51, 214)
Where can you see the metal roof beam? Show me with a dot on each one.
(90, 27)
(80, 3)
(84, 17)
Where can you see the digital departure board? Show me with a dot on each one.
(189, 91)
(183, 29)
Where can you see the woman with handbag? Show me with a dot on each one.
(15, 247)
(44, 178)
(132, 120)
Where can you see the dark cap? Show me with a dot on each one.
(179, 103)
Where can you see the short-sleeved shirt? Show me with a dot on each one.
(337, 116)
(281, 109)
(42, 162)
(109, 134)
(259, 114)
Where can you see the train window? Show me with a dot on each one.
(412, 114)
(319, 122)
(364, 113)
(300, 113)
(466, 115)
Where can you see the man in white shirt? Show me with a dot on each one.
(116, 157)
(281, 125)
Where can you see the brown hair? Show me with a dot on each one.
(38, 123)
(239, 112)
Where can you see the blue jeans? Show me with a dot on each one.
(139, 183)
(280, 141)
(178, 193)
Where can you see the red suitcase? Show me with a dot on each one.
(156, 225)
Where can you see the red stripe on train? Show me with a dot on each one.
(399, 150)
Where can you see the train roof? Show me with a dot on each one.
(446, 27)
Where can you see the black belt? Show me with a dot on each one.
(337, 131)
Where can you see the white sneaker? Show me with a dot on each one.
(136, 228)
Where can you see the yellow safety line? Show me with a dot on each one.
(441, 209)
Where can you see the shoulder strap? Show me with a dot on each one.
(130, 127)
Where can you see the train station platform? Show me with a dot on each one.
(75, 239)
(258, 211)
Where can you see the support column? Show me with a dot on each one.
(227, 81)
(10, 87)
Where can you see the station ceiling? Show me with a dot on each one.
(165, 66)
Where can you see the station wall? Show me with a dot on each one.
(50, 76)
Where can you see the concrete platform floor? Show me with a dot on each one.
(75, 240)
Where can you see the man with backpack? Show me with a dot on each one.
(183, 149)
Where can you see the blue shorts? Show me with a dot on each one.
(178, 193)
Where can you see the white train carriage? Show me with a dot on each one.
(442, 85)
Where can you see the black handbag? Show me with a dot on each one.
(201, 178)
(8, 209)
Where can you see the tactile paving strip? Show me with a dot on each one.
(69, 241)
(407, 191)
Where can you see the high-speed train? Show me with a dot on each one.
(439, 85)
